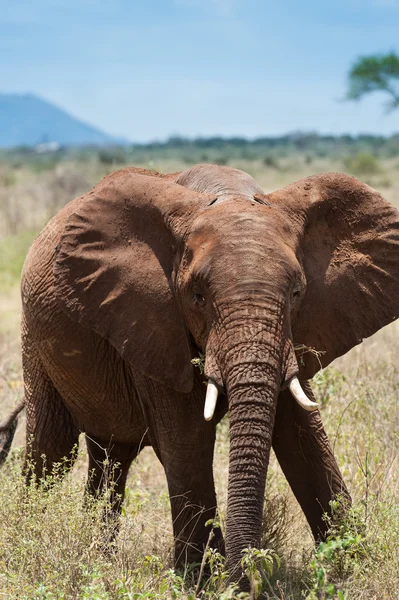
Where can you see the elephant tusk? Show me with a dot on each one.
(210, 400)
(300, 396)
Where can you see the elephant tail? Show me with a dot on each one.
(7, 430)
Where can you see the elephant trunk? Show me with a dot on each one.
(254, 366)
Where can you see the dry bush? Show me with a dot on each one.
(35, 197)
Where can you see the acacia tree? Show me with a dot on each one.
(375, 73)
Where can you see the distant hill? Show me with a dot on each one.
(27, 120)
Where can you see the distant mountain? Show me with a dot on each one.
(27, 120)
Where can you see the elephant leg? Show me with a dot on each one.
(109, 464)
(51, 433)
(192, 496)
(305, 456)
(184, 443)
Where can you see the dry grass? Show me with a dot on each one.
(51, 548)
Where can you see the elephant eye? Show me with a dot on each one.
(296, 291)
(198, 298)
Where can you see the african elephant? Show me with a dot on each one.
(126, 285)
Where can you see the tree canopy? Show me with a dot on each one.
(375, 73)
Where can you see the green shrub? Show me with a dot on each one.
(13, 250)
(340, 556)
(8, 178)
(271, 161)
(362, 163)
(112, 156)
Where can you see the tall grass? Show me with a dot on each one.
(53, 547)
(29, 199)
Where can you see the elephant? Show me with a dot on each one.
(127, 284)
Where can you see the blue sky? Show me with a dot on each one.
(149, 69)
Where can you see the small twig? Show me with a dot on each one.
(252, 591)
(340, 422)
(203, 562)
(308, 350)
(199, 362)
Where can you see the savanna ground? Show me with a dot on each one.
(50, 547)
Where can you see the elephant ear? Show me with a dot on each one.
(349, 243)
(114, 268)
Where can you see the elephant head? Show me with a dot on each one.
(163, 268)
